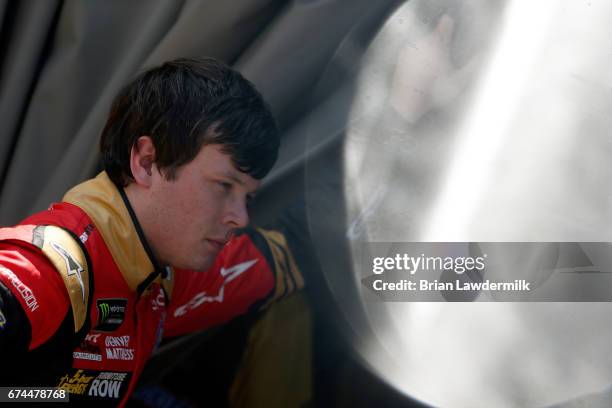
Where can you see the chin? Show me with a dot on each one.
(202, 265)
(191, 264)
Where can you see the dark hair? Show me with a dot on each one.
(184, 105)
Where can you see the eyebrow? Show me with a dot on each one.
(236, 180)
(233, 178)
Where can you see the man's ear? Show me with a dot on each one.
(142, 159)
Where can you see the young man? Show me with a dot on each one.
(155, 245)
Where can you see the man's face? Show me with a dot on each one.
(191, 217)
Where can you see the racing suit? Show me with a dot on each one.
(84, 303)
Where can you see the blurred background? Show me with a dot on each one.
(438, 120)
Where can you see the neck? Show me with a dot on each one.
(135, 203)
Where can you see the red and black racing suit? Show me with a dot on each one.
(91, 330)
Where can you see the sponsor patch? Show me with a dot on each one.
(22, 289)
(94, 385)
(120, 353)
(111, 313)
(76, 383)
(117, 341)
(92, 338)
(117, 348)
(109, 385)
(79, 355)
(2, 320)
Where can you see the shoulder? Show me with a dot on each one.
(34, 265)
(36, 286)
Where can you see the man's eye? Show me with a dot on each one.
(225, 185)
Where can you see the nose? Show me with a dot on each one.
(237, 215)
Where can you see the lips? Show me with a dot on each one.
(217, 244)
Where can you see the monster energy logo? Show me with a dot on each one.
(104, 309)
(111, 313)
